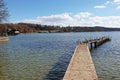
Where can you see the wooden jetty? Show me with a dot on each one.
(4, 39)
(81, 66)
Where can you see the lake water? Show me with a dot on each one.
(46, 56)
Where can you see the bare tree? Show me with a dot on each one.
(3, 12)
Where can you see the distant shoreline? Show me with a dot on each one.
(37, 28)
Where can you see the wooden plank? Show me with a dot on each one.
(81, 66)
(4, 39)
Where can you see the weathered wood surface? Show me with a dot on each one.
(4, 39)
(81, 66)
(103, 39)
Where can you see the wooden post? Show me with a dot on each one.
(91, 46)
(95, 44)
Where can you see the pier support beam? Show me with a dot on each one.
(91, 46)
(95, 44)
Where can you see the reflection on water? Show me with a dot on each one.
(46, 56)
(59, 68)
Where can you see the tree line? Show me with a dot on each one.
(33, 28)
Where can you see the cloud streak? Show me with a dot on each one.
(109, 3)
(100, 7)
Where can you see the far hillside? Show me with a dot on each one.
(37, 28)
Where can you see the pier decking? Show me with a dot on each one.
(81, 66)
(4, 39)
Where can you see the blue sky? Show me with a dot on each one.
(65, 12)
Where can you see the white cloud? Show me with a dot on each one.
(118, 7)
(116, 1)
(108, 21)
(82, 15)
(100, 7)
(86, 19)
(57, 19)
(110, 3)
(107, 2)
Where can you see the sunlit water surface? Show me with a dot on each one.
(46, 56)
